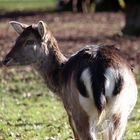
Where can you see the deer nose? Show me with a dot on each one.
(7, 60)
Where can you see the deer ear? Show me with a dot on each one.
(42, 29)
(19, 27)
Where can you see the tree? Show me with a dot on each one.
(132, 17)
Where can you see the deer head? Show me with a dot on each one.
(29, 46)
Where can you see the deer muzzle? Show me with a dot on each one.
(8, 61)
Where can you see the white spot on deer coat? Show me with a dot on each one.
(86, 78)
(35, 47)
(110, 75)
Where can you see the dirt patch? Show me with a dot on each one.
(75, 31)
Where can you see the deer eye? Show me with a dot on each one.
(30, 42)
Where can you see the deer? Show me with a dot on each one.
(96, 84)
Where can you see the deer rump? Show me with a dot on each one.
(90, 68)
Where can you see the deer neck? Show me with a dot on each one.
(50, 64)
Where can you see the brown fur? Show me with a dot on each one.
(75, 112)
(116, 120)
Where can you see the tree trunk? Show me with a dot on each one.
(132, 18)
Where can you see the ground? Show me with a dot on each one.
(27, 111)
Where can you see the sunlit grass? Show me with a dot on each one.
(27, 111)
(13, 5)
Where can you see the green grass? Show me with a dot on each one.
(28, 112)
(13, 5)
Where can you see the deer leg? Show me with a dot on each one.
(119, 125)
(74, 5)
(84, 6)
(88, 4)
(86, 131)
(105, 135)
(93, 130)
(76, 137)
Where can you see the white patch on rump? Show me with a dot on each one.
(125, 101)
(87, 103)
(86, 79)
(128, 95)
(35, 47)
(122, 103)
(110, 75)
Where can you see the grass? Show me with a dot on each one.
(27, 111)
(13, 5)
